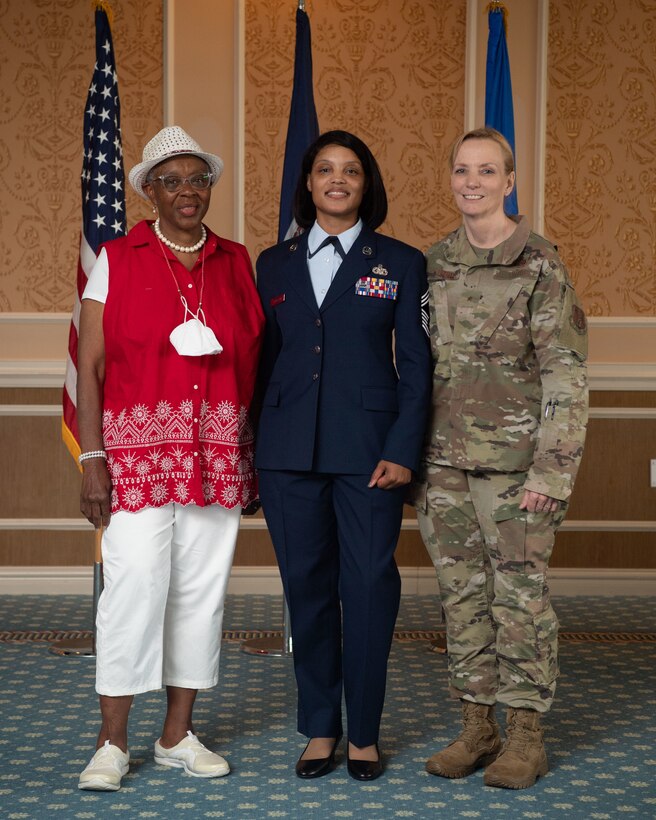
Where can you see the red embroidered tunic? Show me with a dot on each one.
(176, 428)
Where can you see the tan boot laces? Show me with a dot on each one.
(519, 737)
(471, 733)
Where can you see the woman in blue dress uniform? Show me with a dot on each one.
(345, 378)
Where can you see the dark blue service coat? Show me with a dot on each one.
(337, 397)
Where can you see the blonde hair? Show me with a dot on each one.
(485, 134)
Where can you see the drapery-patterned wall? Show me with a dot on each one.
(47, 52)
(601, 152)
(391, 72)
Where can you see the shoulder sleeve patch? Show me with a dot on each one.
(573, 333)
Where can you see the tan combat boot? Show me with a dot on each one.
(477, 745)
(523, 758)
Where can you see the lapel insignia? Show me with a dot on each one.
(379, 270)
(277, 300)
(293, 246)
(367, 250)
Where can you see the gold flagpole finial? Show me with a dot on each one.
(103, 5)
(497, 5)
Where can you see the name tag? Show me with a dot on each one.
(375, 286)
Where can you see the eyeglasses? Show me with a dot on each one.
(173, 183)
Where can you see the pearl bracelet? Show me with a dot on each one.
(91, 454)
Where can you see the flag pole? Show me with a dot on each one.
(103, 219)
(302, 130)
(86, 647)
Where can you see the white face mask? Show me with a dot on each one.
(192, 337)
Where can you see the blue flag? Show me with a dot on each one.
(303, 126)
(498, 87)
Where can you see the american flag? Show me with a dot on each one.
(103, 196)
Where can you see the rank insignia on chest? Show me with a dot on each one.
(374, 286)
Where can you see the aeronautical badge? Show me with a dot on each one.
(374, 286)
(577, 319)
(379, 270)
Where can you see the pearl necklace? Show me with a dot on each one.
(180, 248)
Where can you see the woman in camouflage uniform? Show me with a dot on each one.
(509, 343)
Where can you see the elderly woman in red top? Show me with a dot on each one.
(170, 333)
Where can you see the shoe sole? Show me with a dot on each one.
(522, 784)
(457, 774)
(181, 764)
(99, 785)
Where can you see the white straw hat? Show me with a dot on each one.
(167, 143)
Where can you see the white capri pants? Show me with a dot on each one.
(160, 614)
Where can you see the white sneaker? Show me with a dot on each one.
(193, 757)
(105, 769)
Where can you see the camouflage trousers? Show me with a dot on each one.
(491, 560)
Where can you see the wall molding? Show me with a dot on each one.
(618, 376)
(253, 523)
(266, 581)
(46, 318)
(31, 410)
(18, 331)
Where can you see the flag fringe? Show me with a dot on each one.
(103, 5)
(71, 444)
(498, 7)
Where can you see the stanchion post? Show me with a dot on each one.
(85, 647)
(275, 647)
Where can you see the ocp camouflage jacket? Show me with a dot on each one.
(509, 378)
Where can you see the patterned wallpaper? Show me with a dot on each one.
(391, 71)
(47, 50)
(601, 151)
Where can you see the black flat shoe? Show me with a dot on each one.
(364, 769)
(317, 767)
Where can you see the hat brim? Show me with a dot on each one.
(138, 174)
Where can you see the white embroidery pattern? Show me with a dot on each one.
(162, 454)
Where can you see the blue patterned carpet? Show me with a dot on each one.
(601, 734)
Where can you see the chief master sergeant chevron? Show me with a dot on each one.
(509, 343)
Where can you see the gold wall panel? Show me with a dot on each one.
(47, 53)
(600, 199)
(391, 72)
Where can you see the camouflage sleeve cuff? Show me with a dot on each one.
(558, 489)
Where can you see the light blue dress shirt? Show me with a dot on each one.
(325, 265)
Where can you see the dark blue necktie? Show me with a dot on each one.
(329, 240)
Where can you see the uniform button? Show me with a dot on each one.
(317, 349)
(315, 376)
(317, 322)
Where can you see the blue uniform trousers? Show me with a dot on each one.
(335, 539)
